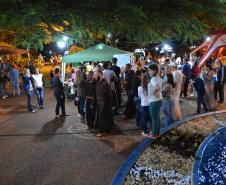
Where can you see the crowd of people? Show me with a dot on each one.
(152, 88)
(97, 91)
(31, 78)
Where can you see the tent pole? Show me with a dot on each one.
(63, 71)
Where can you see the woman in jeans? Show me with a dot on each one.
(143, 95)
(28, 88)
(167, 99)
(155, 100)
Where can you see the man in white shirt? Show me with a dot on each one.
(39, 88)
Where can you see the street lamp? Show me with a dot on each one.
(167, 47)
(61, 44)
(208, 39)
(65, 38)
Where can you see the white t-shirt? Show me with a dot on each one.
(38, 80)
(155, 83)
(143, 97)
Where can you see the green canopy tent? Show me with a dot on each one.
(100, 52)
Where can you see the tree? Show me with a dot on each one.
(139, 21)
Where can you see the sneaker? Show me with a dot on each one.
(6, 96)
(57, 116)
(3, 97)
(144, 134)
(33, 111)
(150, 135)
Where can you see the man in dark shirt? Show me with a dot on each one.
(136, 82)
(130, 108)
(59, 93)
(220, 81)
(117, 71)
(90, 91)
(200, 88)
(186, 70)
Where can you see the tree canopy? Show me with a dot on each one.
(30, 24)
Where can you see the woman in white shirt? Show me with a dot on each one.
(143, 95)
(155, 100)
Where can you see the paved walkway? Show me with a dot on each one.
(37, 149)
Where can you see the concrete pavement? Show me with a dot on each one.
(37, 149)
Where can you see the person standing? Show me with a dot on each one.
(111, 78)
(90, 96)
(155, 100)
(186, 70)
(130, 108)
(80, 84)
(39, 87)
(117, 71)
(28, 88)
(136, 81)
(178, 77)
(220, 81)
(200, 89)
(104, 118)
(3, 78)
(143, 94)
(14, 78)
(167, 99)
(59, 93)
(195, 71)
(32, 68)
(207, 77)
(51, 75)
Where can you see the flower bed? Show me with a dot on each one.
(169, 160)
(210, 163)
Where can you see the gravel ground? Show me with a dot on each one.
(169, 160)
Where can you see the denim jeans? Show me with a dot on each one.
(137, 102)
(167, 108)
(40, 96)
(29, 100)
(3, 89)
(145, 117)
(154, 110)
(81, 106)
(201, 101)
(15, 87)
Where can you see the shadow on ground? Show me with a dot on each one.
(49, 129)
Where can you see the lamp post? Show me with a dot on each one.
(63, 44)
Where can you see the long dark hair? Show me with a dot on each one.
(155, 68)
(170, 80)
(144, 83)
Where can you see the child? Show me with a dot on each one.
(198, 84)
(143, 95)
(167, 99)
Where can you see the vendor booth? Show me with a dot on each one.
(214, 46)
